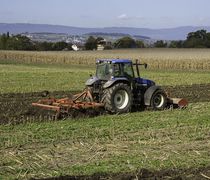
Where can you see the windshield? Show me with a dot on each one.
(104, 71)
(123, 70)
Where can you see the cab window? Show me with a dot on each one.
(117, 70)
(128, 70)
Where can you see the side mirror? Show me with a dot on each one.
(145, 65)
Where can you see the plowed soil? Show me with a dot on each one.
(193, 93)
(16, 107)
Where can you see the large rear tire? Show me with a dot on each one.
(118, 98)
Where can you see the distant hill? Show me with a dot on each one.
(116, 35)
(178, 33)
(106, 34)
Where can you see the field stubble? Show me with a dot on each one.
(173, 140)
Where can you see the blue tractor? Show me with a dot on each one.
(120, 89)
(115, 88)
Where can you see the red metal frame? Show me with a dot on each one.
(82, 100)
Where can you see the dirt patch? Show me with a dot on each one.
(175, 174)
(193, 93)
(16, 107)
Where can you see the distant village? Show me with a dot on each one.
(96, 41)
(78, 41)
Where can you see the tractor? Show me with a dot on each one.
(117, 88)
(120, 90)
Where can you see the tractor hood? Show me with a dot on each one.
(145, 82)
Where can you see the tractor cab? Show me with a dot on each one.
(115, 68)
(109, 71)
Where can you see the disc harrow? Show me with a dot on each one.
(79, 101)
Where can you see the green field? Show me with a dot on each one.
(38, 77)
(118, 143)
(113, 143)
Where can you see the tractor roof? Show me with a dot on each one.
(114, 61)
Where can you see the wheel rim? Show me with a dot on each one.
(121, 99)
(159, 100)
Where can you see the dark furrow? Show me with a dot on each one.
(17, 108)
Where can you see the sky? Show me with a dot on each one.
(107, 13)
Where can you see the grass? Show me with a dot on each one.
(39, 77)
(30, 78)
(154, 140)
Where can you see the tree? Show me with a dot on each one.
(208, 40)
(176, 44)
(160, 44)
(125, 42)
(100, 40)
(3, 41)
(17, 42)
(200, 34)
(91, 43)
(8, 35)
(44, 46)
(198, 39)
(58, 46)
(140, 44)
(20, 42)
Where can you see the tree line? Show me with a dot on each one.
(19, 42)
(124, 42)
(198, 39)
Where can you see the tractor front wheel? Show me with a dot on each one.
(118, 98)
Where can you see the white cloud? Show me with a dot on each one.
(122, 16)
(130, 18)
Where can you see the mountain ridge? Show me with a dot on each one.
(177, 33)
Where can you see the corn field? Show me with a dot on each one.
(177, 59)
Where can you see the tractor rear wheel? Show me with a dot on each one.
(159, 100)
(118, 98)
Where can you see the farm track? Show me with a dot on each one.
(16, 107)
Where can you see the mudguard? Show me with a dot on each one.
(148, 94)
(112, 81)
(91, 81)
